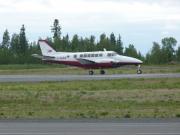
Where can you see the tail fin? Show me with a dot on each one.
(46, 49)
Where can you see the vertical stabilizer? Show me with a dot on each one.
(46, 49)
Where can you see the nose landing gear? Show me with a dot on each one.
(139, 71)
(102, 72)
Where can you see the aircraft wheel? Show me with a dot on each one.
(102, 72)
(139, 71)
(91, 72)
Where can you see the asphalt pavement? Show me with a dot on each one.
(90, 127)
(40, 78)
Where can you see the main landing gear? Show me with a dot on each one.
(91, 72)
(139, 71)
(102, 72)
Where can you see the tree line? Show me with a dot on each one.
(17, 50)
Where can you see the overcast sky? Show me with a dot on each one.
(140, 22)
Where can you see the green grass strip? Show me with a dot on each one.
(128, 98)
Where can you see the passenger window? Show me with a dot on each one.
(85, 55)
(92, 55)
(109, 54)
(96, 55)
(100, 55)
(75, 56)
(89, 55)
(81, 55)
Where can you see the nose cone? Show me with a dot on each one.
(133, 60)
(128, 60)
(137, 61)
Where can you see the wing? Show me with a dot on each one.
(86, 61)
(94, 61)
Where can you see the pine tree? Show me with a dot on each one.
(92, 46)
(113, 40)
(66, 43)
(75, 43)
(56, 30)
(178, 54)
(119, 45)
(104, 43)
(23, 45)
(15, 44)
(6, 40)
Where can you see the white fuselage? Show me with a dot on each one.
(99, 59)
(91, 60)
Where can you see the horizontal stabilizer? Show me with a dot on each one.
(37, 56)
(43, 57)
(48, 58)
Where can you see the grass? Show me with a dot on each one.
(60, 69)
(128, 98)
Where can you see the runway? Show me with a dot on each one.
(41, 78)
(90, 127)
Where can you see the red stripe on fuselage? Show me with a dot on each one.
(91, 66)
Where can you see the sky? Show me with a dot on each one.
(139, 22)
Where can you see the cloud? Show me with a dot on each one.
(121, 10)
(132, 18)
(86, 12)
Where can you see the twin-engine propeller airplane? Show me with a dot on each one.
(88, 60)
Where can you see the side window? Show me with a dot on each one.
(96, 55)
(100, 55)
(92, 55)
(89, 55)
(108, 54)
(75, 56)
(85, 55)
(81, 55)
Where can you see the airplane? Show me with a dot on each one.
(87, 60)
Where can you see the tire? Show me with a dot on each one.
(139, 71)
(91, 72)
(102, 72)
